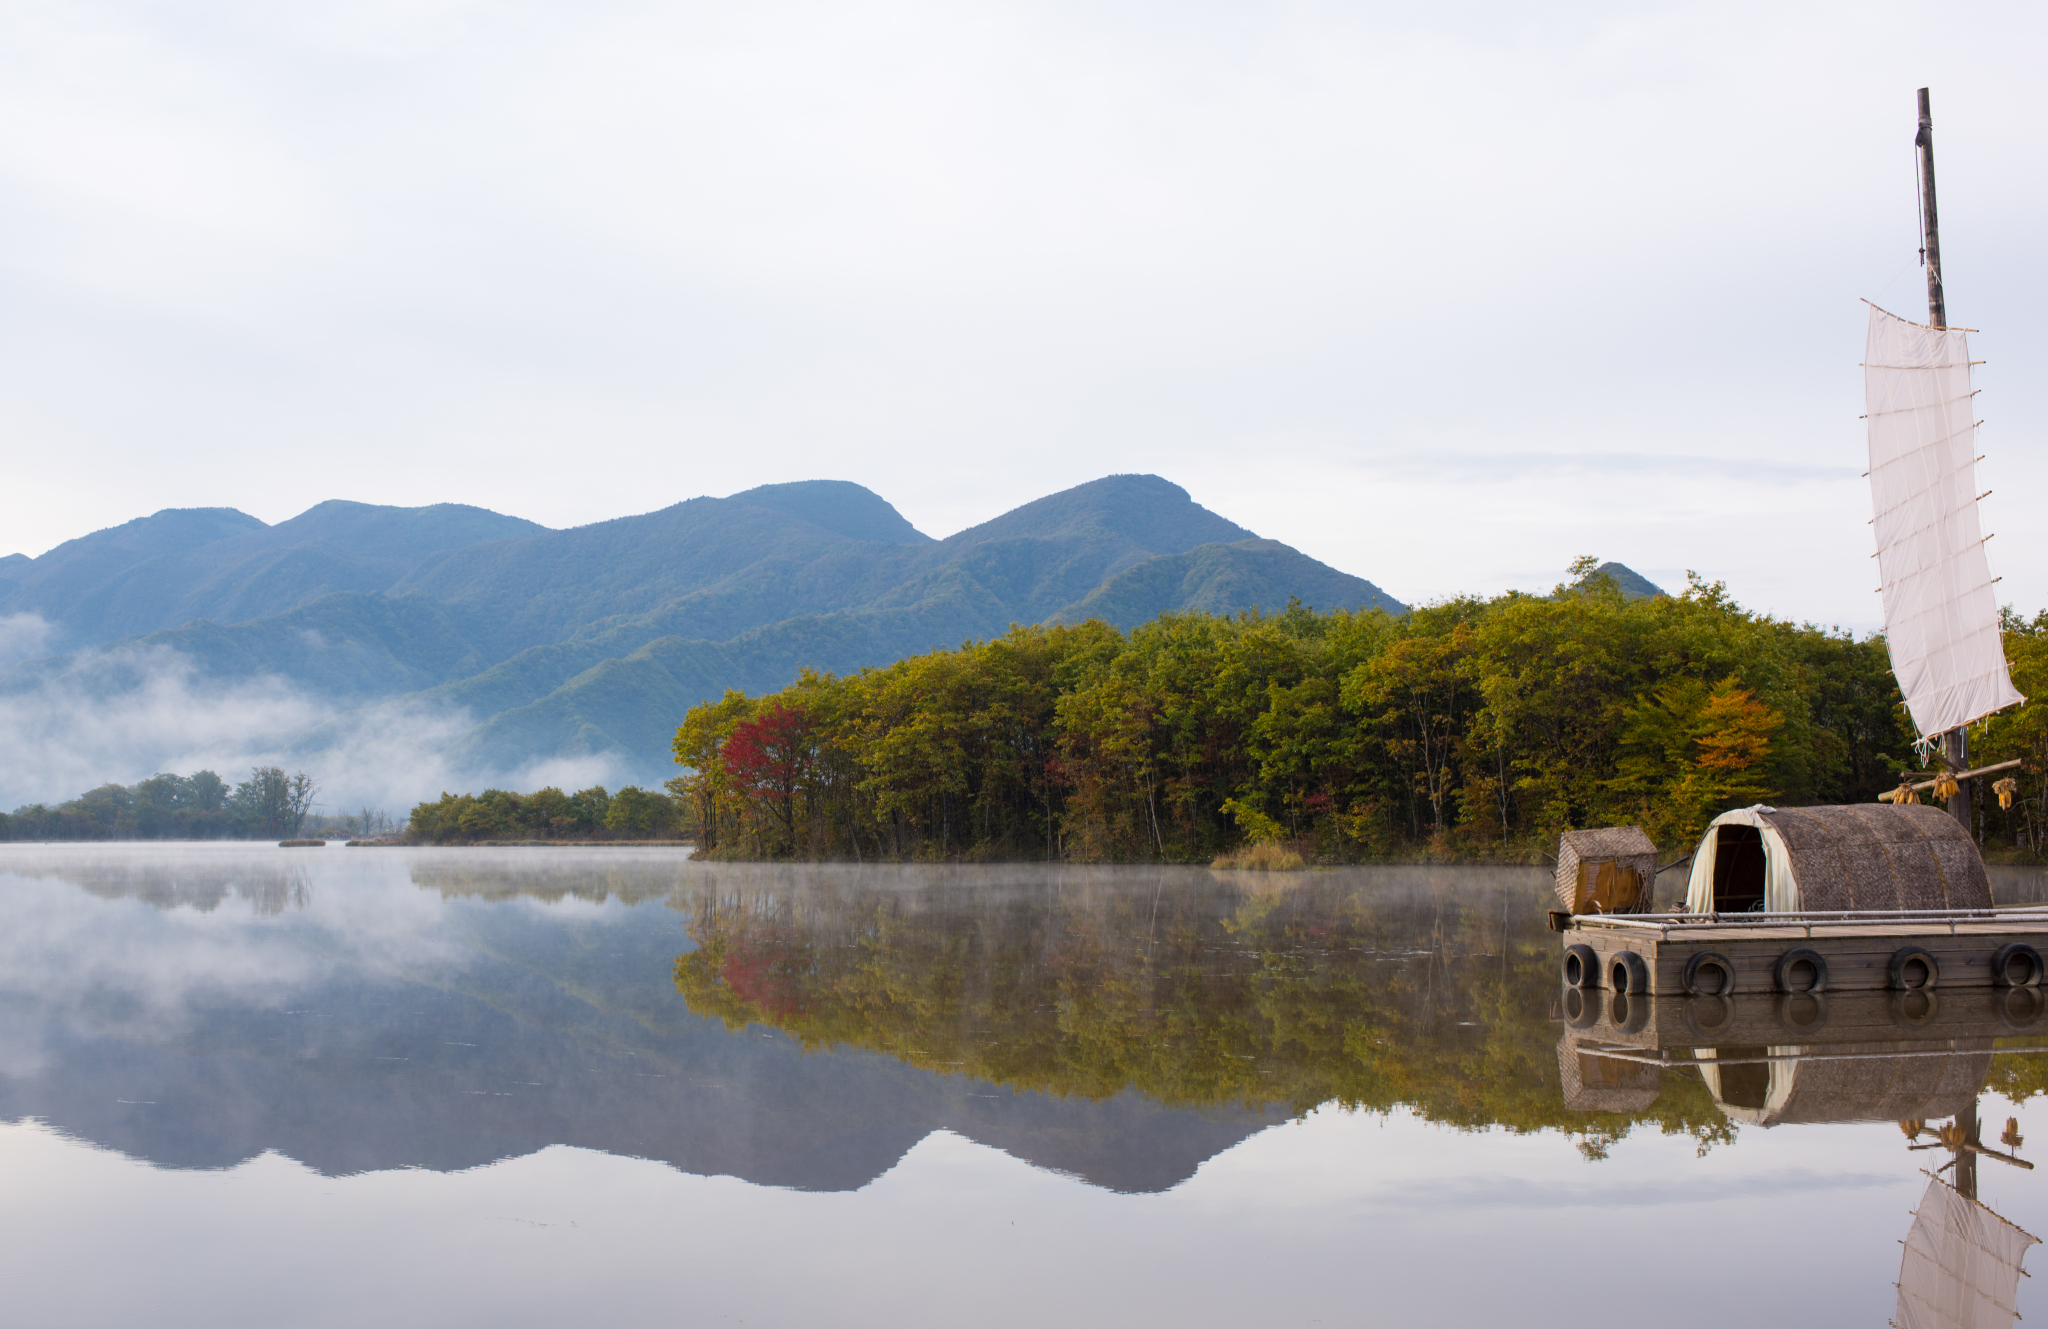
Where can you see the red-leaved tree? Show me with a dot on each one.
(771, 757)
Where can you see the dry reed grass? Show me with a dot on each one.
(1265, 856)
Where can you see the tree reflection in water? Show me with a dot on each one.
(1433, 989)
(201, 881)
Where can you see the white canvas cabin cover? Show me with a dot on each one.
(1961, 1269)
(1781, 891)
(1940, 608)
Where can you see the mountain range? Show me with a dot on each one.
(589, 643)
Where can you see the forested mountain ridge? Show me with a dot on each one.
(218, 564)
(595, 640)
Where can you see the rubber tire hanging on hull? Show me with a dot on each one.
(1580, 967)
(2001, 965)
(1696, 985)
(1782, 971)
(1906, 956)
(1626, 973)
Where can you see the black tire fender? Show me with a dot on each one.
(1580, 966)
(1627, 973)
(1902, 960)
(1798, 955)
(2001, 965)
(1695, 983)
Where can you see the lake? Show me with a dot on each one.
(241, 1085)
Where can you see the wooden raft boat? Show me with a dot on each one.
(1865, 898)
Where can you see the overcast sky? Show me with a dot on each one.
(1442, 294)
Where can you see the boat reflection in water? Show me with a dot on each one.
(1919, 1057)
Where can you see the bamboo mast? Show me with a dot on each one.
(1930, 237)
(1955, 744)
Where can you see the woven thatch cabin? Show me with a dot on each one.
(1866, 856)
(1606, 871)
(1755, 1092)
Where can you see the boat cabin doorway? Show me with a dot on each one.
(1739, 868)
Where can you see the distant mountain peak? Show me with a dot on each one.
(1632, 584)
(1150, 512)
(839, 506)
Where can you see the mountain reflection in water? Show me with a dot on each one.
(371, 1010)
(396, 1020)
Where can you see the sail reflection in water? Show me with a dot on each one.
(543, 1087)
(1962, 1264)
(1773, 1060)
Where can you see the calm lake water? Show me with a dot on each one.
(253, 1086)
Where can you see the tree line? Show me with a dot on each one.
(200, 806)
(1477, 727)
(548, 814)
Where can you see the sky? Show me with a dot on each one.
(1444, 295)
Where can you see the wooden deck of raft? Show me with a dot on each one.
(1858, 947)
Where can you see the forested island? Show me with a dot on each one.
(1471, 728)
(269, 805)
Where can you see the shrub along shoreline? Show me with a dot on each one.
(1474, 728)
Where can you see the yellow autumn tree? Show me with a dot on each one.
(1692, 751)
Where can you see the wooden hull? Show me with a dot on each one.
(1858, 950)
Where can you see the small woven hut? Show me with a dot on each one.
(1755, 1092)
(1865, 856)
(1606, 871)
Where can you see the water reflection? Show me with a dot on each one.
(1426, 988)
(1911, 1057)
(202, 881)
(911, 1040)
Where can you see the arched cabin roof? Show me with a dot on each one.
(1863, 856)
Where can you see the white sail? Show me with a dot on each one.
(1961, 1269)
(1940, 608)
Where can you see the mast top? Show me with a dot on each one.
(1930, 229)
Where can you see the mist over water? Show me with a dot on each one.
(125, 713)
